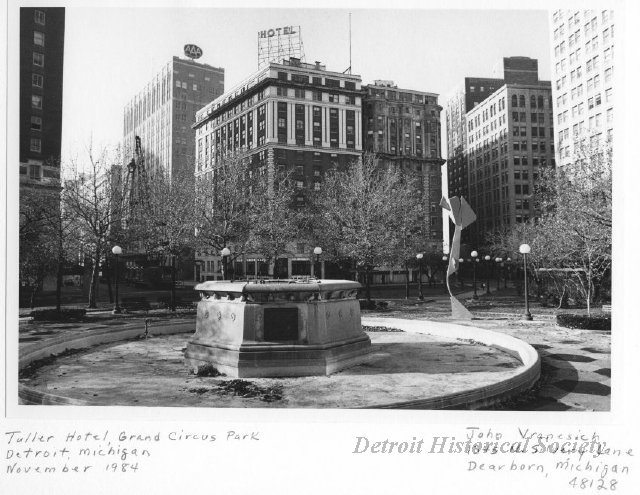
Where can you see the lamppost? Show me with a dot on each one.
(419, 257)
(474, 257)
(507, 272)
(317, 251)
(460, 280)
(225, 255)
(524, 250)
(117, 251)
(489, 266)
(498, 264)
(445, 259)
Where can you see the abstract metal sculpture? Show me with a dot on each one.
(462, 216)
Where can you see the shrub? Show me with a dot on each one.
(584, 322)
(381, 305)
(64, 314)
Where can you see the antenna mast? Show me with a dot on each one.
(349, 42)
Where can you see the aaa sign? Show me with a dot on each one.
(192, 51)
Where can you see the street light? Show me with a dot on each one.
(445, 259)
(507, 271)
(317, 268)
(474, 256)
(117, 251)
(498, 261)
(487, 258)
(419, 257)
(225, 254)
(524, 250)
(460, 280)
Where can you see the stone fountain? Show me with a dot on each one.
(278, 328)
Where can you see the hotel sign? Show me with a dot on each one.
(270, 33)
(192, 51)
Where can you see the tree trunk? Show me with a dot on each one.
(32, 301)
(406, 280)
(108, 272)
(367, 283)
(94, 279)
(59, 284)
(173, 283)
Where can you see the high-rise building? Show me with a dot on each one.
(582, 53)
(41, 71)
(499, 144)
(163, 113)
(462, 100)
(286, 115)
(402, 127)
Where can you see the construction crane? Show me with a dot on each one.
(136, 186)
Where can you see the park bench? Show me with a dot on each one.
(606, 308)
(135, 303)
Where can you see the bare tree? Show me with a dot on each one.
(358, 211)
(94, 205)
(167, 225)
(223, 199)
(571, 241)
(37, 243)
(275, 217)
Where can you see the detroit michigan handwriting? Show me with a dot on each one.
(79, 452)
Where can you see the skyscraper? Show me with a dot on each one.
(164, 111)
(582, 53)
(500, 136)
(41, 71)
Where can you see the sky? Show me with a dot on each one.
(111, 53)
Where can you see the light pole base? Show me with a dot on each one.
(528, 317)
(116, 311)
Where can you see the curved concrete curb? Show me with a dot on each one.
(57, 345)
(527, 376)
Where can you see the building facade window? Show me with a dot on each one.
(39, 17)
(34, 172)
(36, 101)
(38, 59)
(36, 123)
(37, 81)
(38, 38)
(36, 145)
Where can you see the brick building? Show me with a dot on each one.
(500, 133)
(41, 78)
(402, 127)
(290, 114)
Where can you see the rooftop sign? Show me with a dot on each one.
(270, 33)
(192, 51)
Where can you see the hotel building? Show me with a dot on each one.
(290, 114)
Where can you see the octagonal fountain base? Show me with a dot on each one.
(278, 328)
